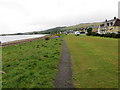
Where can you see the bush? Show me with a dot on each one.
(89, 34)
(82, 32)
(95, 34)
(108, 35)
(111, 35)
(57, 35)
(47, 38)
(102, 35)
(89, 30)
(116, 35)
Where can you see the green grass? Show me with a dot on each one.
(32, 64)
(94, 61)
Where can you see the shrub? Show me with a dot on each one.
(47, 38)
(95, 34)
(116, 35)
(89, 30)
(89, 34)
(108, 35)
(102, 35)
(46, 56)
(57, 35)
(82, 32)
(111, 35)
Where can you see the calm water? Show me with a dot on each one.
(17, 37)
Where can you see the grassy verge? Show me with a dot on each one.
(94, 61)
(32, 64)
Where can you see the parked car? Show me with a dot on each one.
(77, 33)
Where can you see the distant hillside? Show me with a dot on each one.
(83, 25)
(52, 30)
(59, 29)
(75, 27)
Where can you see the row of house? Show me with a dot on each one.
(110, 26)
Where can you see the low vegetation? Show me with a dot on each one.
(94, 61)
(32, 64)
(110, 35)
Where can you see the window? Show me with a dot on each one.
(111, 23)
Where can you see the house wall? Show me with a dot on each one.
(94, 29)
(116, 29)
(110, 29)
(113, 29)
(101, 30)
(119, 29)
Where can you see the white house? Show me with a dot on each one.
(110, 26)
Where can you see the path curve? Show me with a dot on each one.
(64, 75)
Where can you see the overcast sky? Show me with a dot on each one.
(35, 15)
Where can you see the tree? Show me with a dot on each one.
(89, 31)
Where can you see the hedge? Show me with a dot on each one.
(111, 35)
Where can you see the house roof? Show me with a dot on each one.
(93, 26)
(116, 22)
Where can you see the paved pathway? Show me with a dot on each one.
(63, 79)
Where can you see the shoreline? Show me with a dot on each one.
(20, 41)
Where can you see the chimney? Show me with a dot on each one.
(106, 20)
(114, 18)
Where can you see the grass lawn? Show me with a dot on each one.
(94, 61)
(32, 64)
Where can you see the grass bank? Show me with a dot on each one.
(32, 64)
(94, 61)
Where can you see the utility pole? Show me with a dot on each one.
(119, 9)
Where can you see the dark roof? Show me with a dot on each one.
(93, 26)
(117, 22)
